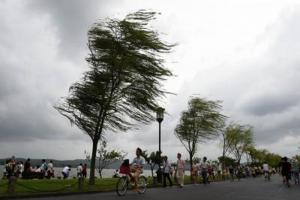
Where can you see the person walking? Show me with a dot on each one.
(166, 172)
(204, 170)
(285, 170)
(295, 171)
(194, 172)
(180, 170)
(231, 172)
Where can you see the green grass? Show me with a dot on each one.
(57, 186)
(35, 187)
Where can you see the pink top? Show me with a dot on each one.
(180, 164)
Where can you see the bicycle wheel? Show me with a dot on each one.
(142, 185)
(122, 186)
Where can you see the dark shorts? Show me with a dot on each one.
(286, 174)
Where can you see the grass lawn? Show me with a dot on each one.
(57, 186)
(32, 187)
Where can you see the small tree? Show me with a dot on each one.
(226, 144)
(239, 138)
(152, 160)
(199, 123)
(106, 158)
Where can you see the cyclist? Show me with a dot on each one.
(266, 171)
(137, 166)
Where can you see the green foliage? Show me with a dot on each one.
(199, 123)
(238, 139)
(106, 157)
(153, 160)
(123, 83)
(227, 161)
(260, 156)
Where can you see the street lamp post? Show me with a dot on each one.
(159, 118)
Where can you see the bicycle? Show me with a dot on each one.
(267, 175)
(124, 184)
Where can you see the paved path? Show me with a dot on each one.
(246, 189)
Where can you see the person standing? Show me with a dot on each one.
(79, 170)
(166, 171)
(180, 170)
(43, 167)
(84, 170)
(50, 172)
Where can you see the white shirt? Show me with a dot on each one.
(266, 167)
(66, 170)
(50, 166)
(167, 167)
(79, 169)
(138, 161)
(204, 166)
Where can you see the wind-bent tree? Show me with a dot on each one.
(123, 83)
(239, 138)
(202, 121)
(226, 144)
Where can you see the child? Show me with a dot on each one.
(125, 167)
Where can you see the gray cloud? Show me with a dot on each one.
(72, 18)
(41, 58)
(268, 105)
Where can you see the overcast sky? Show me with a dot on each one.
(244, 53)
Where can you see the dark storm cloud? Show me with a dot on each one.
(72, 19)
(268, 105)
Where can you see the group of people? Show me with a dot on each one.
(135, 169)
(290, 171)
(81, 171)
(26, 170)
(44, 170)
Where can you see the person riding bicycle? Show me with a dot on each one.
(266, 171)
(137, 165)
(125, 168)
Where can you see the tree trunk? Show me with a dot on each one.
(223, 162)
(93, 161)
(100, 173)
(191, 165)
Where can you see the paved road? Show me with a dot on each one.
(246, 189)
